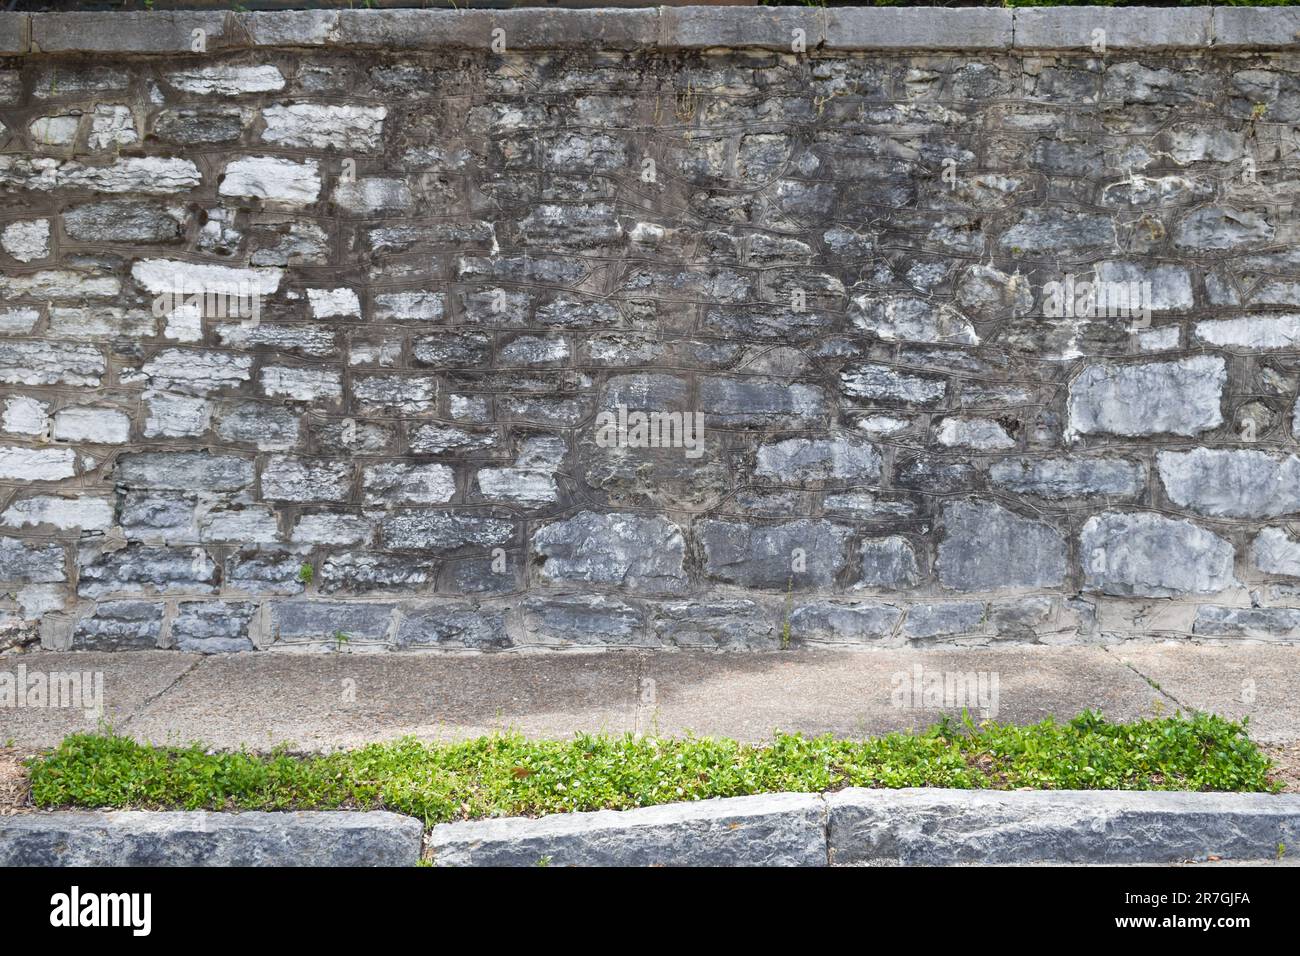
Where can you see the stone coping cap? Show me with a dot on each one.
(1085, 30)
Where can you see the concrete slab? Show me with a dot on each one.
(130, 680)
(856, 693)
(323, 701)
(1258, 681)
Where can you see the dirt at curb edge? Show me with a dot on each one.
(13, 781)
(1286, 763)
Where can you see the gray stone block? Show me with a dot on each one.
(1255, 623)
(948, 827)
(784, 829)
(795, 555)
(753, 403)
(946, 619)
(15, 32)
(191, 471)
(1273, 28)
(304, 479)
(882, 384)
(1231, 482)
(886, 28)
(730, 625)
(986, 547)
(153, 838)
(888, 563)
(126, 31)
(1216, 227)
(441, 531)
(862, 622)
(1274, 551)
(1144, 554)
(146, 570)
(1179, 398)
(365, 572)
(604, 29)
(453, 625)
(254, 570)
(119, 626)
(1128, 28)
(584, 620)
(124, 221)
(23, 562)
(840, 458)
(769, 28)
(1057, 478)
(213, 627)
(53, 363)
(336, 622)
(618, 550)
(409, 29)
(1040, 232)
(288, 28)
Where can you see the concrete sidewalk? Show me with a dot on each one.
(324, 701)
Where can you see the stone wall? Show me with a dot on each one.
(479, 244)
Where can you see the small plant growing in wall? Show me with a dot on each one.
(341, 638)
(306, 573)
(1257, 112)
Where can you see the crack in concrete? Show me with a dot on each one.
(144, 704)
(1151, 682)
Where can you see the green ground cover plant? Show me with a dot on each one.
(508, 775)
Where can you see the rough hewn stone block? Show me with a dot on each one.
(986, 547)
(1180, 398)
(151, 838)
(776, 830)
(1150, 555)
(953, 827)
(615, 550)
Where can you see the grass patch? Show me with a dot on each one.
(506, 775)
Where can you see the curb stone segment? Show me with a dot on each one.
(857, 826)
(783, 829)
(946, 827)
(149, 838)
